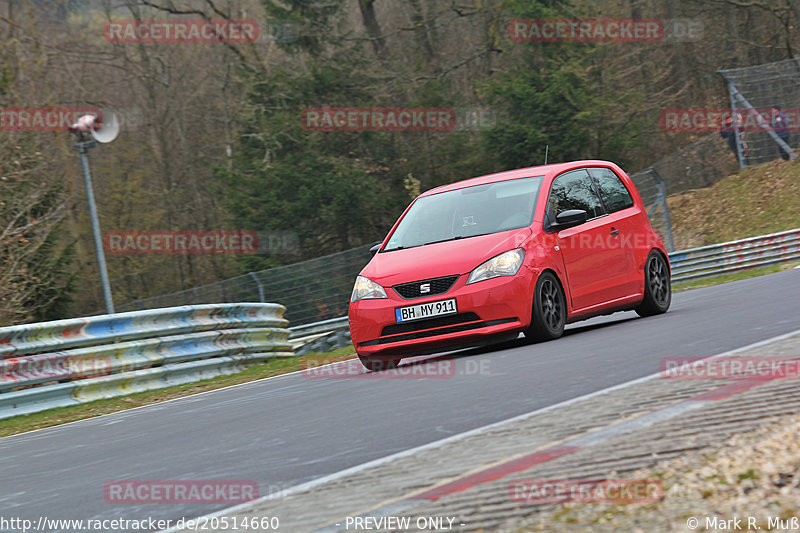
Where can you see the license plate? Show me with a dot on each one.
(428, 310)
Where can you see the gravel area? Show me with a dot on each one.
(749, 483)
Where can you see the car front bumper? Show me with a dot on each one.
(489, 308)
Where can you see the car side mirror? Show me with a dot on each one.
(375, 248)
(570, 218)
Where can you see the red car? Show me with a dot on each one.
(526, 250)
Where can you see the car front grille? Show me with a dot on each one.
(432, 327)
(413, 290)
(429, 323)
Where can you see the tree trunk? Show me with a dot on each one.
(367, 8)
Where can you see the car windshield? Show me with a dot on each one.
(467, 212)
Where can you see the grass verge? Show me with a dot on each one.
(736, 276)
(756, 201)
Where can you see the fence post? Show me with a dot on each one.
(662, 199)
(259, 285)
(735, 125)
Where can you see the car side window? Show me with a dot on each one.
(615, 194)
(574, 190)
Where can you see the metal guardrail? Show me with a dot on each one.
(735, 256)
(320, 337)
(325, 326)
(67, 362)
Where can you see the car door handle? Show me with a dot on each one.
(614, 232)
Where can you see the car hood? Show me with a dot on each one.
(441, 259)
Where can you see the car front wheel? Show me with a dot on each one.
(549, 310)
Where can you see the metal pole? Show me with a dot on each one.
(83, 148)
(735, 125)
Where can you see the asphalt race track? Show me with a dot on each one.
(284, 431)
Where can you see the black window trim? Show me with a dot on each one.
(546, 224)
(602, 196)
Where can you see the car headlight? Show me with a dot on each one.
(366, 288)
(505, 264)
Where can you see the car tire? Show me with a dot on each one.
(378, 364)
(549, 310)
(657, 287)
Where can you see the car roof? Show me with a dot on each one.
(542, 170)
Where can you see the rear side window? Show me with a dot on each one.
(574, 190)
(615, 195)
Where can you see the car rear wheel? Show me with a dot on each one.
(378, 364)
(549, 310)
(657, 287)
